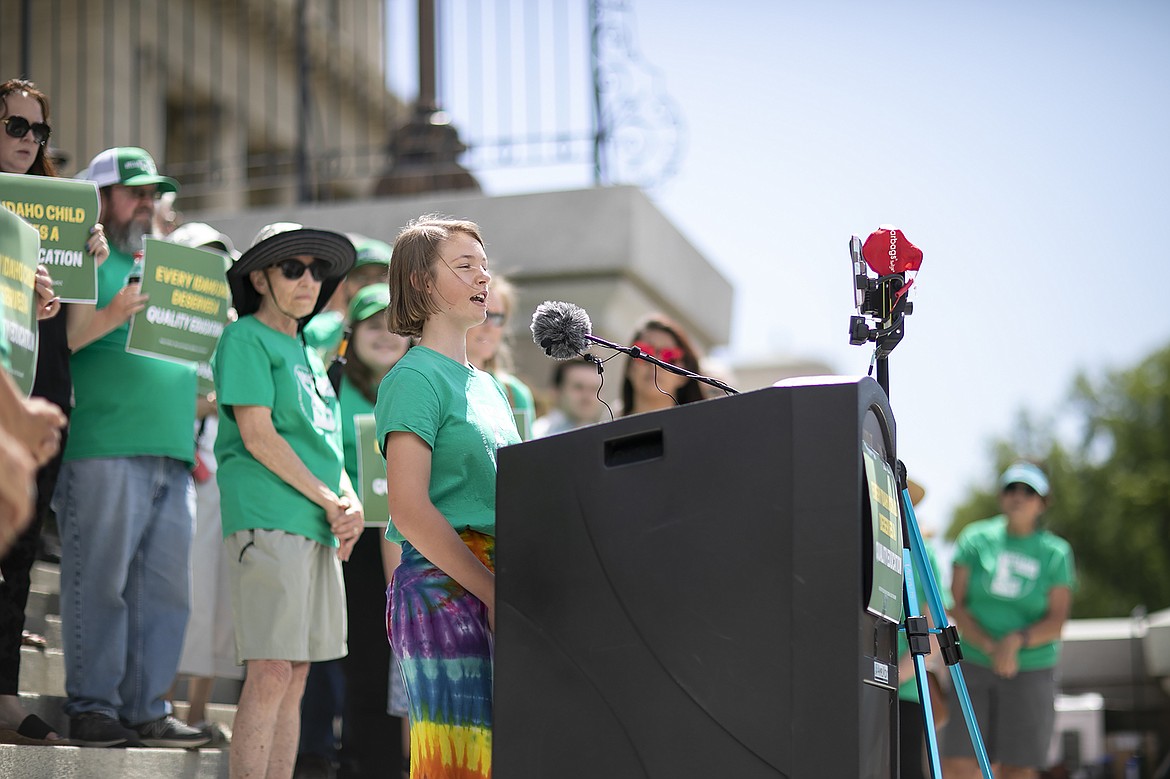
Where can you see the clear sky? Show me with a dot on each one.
(1023, 146)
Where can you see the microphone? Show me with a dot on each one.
(561, 329)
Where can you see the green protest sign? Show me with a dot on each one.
(885, 594)
(19, 247)
(62, 211)
(204, 380)
(188, 304)
(371, 472)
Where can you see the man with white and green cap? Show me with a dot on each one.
(125, 498)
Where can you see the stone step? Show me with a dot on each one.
(30, 762)
(42, 671)
(222, 713)
(40, 606)
(52, 631)
(49, 708)
(46, 577)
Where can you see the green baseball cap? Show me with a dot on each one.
(371, 251)
(129, 166)
(368, 302)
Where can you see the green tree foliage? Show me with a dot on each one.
(1110, 488)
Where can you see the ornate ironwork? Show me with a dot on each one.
(639, 126)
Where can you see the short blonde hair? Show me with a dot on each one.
(416, 252)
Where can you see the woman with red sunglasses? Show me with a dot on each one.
(645, 386)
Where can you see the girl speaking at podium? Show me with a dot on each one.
(440, 421)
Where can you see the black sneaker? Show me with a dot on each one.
(94, 729)
(170, 732)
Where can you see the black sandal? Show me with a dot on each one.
(33, 731)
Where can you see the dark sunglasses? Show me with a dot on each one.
(1019, 487)
(18, 127)
(294, 269)
(666, 354)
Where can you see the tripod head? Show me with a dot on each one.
(881, 300)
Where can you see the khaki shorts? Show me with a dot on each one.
(288, 597)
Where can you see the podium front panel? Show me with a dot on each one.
(683, 593)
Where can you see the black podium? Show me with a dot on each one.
(684, 594)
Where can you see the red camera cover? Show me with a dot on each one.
(888, 251)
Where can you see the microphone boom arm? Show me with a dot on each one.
(634, 351)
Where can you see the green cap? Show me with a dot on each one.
(369, 301)
(371, 251)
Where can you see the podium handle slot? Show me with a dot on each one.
(633, 449)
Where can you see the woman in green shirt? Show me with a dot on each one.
(372, 351)
(1012, 586)
(289, 512)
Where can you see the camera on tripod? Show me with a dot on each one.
(881, 300)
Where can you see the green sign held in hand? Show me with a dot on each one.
(62, 211)
(187, 307)
(18, 322)
(371, 472)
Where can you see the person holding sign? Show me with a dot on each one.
(373, 351)
(440, 421)
(125, 499)
(24, 111)
(209, 647)
(328, 332)
(290, 514)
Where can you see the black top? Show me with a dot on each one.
(54, 381)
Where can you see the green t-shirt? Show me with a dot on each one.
(255, 365)
(523, 406)
(128, 405)
(1010, 578)
(353, 403)
(324, 331)
(463, 415)
(907, 688)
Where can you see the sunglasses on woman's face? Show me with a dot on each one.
(18, 127)
(666, 354)
(294, 269)
(1021, 488)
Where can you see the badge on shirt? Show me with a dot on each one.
(311, 395)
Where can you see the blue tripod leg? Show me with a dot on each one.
(918, 638)
(947, 640)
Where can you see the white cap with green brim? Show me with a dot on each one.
(129, 166)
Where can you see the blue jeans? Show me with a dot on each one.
(125, 526)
